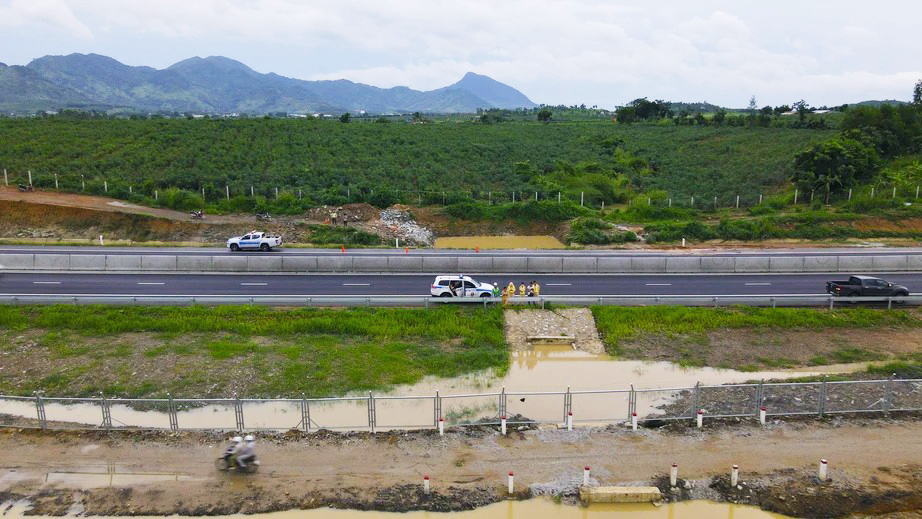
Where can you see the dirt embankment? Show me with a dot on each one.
(138, 473)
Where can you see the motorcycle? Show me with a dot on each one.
(24, 187)
(229, 463)
(197, 215)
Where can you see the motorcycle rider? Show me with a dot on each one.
(231, 447)
(245, 451)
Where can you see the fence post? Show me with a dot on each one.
(872, 191)
(371, 412)
(276, 193)
(567, 406)
(174, 419)
(737, 201)
(106, 413)
(760, 199)
(888, 395)
(849, 194)
(238, 413)
(670, 202)
(30, 177)
(796, 192)
(760, 395)
(697, 398)
(715, 203)
(40, 410)
(156, 197)
(917, 189)
(631, 403)
(105, 186)
(692, 202)
(305, 414)
(822, 403)
(894, 192)
(558, 197)
(436, 408)
(582, 197)
(56, 181)
(6, 181)
(502, 402)
(227, 192)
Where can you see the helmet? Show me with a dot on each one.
(249, 438)
(236, 439)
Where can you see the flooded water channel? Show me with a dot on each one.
(498, 242)
(531, 509)
(536, 386)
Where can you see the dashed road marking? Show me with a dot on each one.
(253, 284)
(46, 282)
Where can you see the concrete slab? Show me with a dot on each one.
(718, 264)
(620, 495)
(914, 263)
(265, 263)
(299, 264)
(542, 264)
(122, 262)
(370, 264)
(517, 264)
(577, 264)
(751, 264)
(475, 264)
(194, 263)
(338, 263)
(821, 263)
(785, 264)
(614, 265)
(229, 263)
(88, 262)
(440, 264)
(889, 263)
(648, 264)
(856, 264)
(157, 262)
(17, 261)
(683, 264)
(52, 262)
(405, 264)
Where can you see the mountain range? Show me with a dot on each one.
(219, 85)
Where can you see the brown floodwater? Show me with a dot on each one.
(531, 509)
(498, 242)
(535, 385)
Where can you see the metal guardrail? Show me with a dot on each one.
(378, 412)
(424, 301)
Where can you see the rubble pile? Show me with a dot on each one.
(401, 224)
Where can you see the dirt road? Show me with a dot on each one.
(876, 466)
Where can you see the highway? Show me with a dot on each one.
(418, 284)
(215, 251)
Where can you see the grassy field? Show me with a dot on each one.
(253, 351)
(751, 339)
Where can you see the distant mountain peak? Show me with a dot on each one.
(499, 95)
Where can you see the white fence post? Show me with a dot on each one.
(6, 181)
(56, 181)
(674, 475)
(734, 475)
(227, 192)
(821, 474)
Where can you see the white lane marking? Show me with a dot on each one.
(253, 284)
(558, 284)
(758, 284)
(659, 284)
(46, 282)
(150, 283)
(356, 284)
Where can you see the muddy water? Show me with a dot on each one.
(600, 387)
(498, 242)
(531, 509)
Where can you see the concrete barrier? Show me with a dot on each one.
(404, 264)
(750, 264)
(338, 263)
(577, 264)
(545, 264)
(88, 262)
(782, 264)
(648, 265)
(123, 262)
(475, 264)
(52, 262)
(440, 264)
(614, 265)
(683, 264)
(158, 263)
(821, 264)
(857, 264)
(718, 264)
(264, 263)
(510, 264)
(370, 263)
(888, 263)
(299, 264)
(229, 263)
(194, 263)
(17, 261)
(913, 262)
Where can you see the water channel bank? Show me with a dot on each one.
(144, 473)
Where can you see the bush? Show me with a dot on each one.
(328, 235)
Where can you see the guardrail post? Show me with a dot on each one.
(888, 394)
(831, 302)
(427, 302)
(106, 414)
(371, 412)
(193, 301)
(367, 301)
(715, 302)
(822, 403)
(40, 409)
(305, 414)
(889, 303)
(542, 302)
(772, 299)
(238, 413)
(174, 419)
(310, 301)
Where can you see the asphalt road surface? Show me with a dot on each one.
(418, 284)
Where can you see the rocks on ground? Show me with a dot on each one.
(576, 322)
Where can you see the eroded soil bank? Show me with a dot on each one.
(874, 468)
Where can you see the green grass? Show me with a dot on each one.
(255, 351)
(617, 324)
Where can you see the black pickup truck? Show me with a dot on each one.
(865, 286)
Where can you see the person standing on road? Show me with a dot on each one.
(495, 289)
(536, 288)
(511, 289)
(522, 289)
(333, 218)
(505, 298)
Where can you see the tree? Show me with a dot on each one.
(719, 117)
(917, 94)
(838, 162)
(346, 117)
(544, 115)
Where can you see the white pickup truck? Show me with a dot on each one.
(254, 240)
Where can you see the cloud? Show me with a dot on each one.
(48, 13)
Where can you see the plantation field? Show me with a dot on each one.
(251, 351)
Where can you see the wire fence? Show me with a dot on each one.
(205, 193)
(763, 300)
(388, 412)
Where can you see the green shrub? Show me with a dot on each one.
(326, 235)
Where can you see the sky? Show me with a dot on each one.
(570, 52)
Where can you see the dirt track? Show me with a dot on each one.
(875, 465)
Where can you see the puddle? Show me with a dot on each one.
(498, 242)
(108, 475)
(531, 509)
(535, 385)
